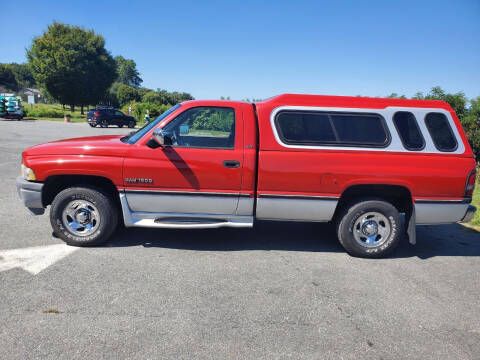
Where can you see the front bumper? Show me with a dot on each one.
(31, 195)
(469, 214)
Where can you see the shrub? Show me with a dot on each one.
(42, 110)
(139, 109)
(471, 125)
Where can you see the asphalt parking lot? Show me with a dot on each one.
(280, 290)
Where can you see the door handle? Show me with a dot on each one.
(231, 163)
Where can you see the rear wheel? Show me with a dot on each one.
(369, 228)
(83, 216)
(131, 124)
(104, 123)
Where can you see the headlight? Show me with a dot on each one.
(28, 174)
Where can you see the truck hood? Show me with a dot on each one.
(108, 145)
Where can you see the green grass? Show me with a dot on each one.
(476, 202)
(51, 111)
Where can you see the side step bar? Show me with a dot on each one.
(180, 221)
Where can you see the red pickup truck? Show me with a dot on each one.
(354, 161)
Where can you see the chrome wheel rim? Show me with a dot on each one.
(372, 229)
(81, 217)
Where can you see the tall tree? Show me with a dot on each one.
(72, 64)
(7, 77)
(127, 72)
(127, 94)
(23, 75)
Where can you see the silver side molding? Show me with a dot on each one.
(439, 212)
(170, 220)
(296, 208)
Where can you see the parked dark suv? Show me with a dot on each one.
(109, 116)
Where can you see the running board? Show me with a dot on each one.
(181, 221)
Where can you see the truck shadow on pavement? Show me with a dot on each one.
(440, 240)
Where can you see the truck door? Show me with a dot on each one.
(199, 173)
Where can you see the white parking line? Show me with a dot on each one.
(34, 259)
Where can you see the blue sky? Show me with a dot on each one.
(257, 49)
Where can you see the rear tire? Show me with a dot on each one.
(83, 216)
(369, 228)
(104, 124)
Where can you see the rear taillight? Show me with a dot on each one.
(470, 185)
(97, 113)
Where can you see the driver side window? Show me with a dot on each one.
(203, 127)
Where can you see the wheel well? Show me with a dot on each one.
(54, 184)
(398, 196)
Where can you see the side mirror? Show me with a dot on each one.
(158, 137)
(161, 138)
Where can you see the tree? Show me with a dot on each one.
(418, 96)
(7, 77)
(457, 101)
(471, 125)
(175, 97)
(23, 75)
(72, 64)
(396, 96)
(142, 91)
(127, 72)
(152, 97)
(126, 94)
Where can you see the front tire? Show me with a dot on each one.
(369, 228)
(83, 216)
(131, 124)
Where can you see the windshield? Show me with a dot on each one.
(134, 137)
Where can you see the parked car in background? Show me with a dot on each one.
(106, 116)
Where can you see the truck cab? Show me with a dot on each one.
(356, 162)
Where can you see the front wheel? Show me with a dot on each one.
(83, 216)
(131, 124)
(369, 228)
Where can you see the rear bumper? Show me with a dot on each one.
(31, 195)
(469, 214)
(12, 116)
